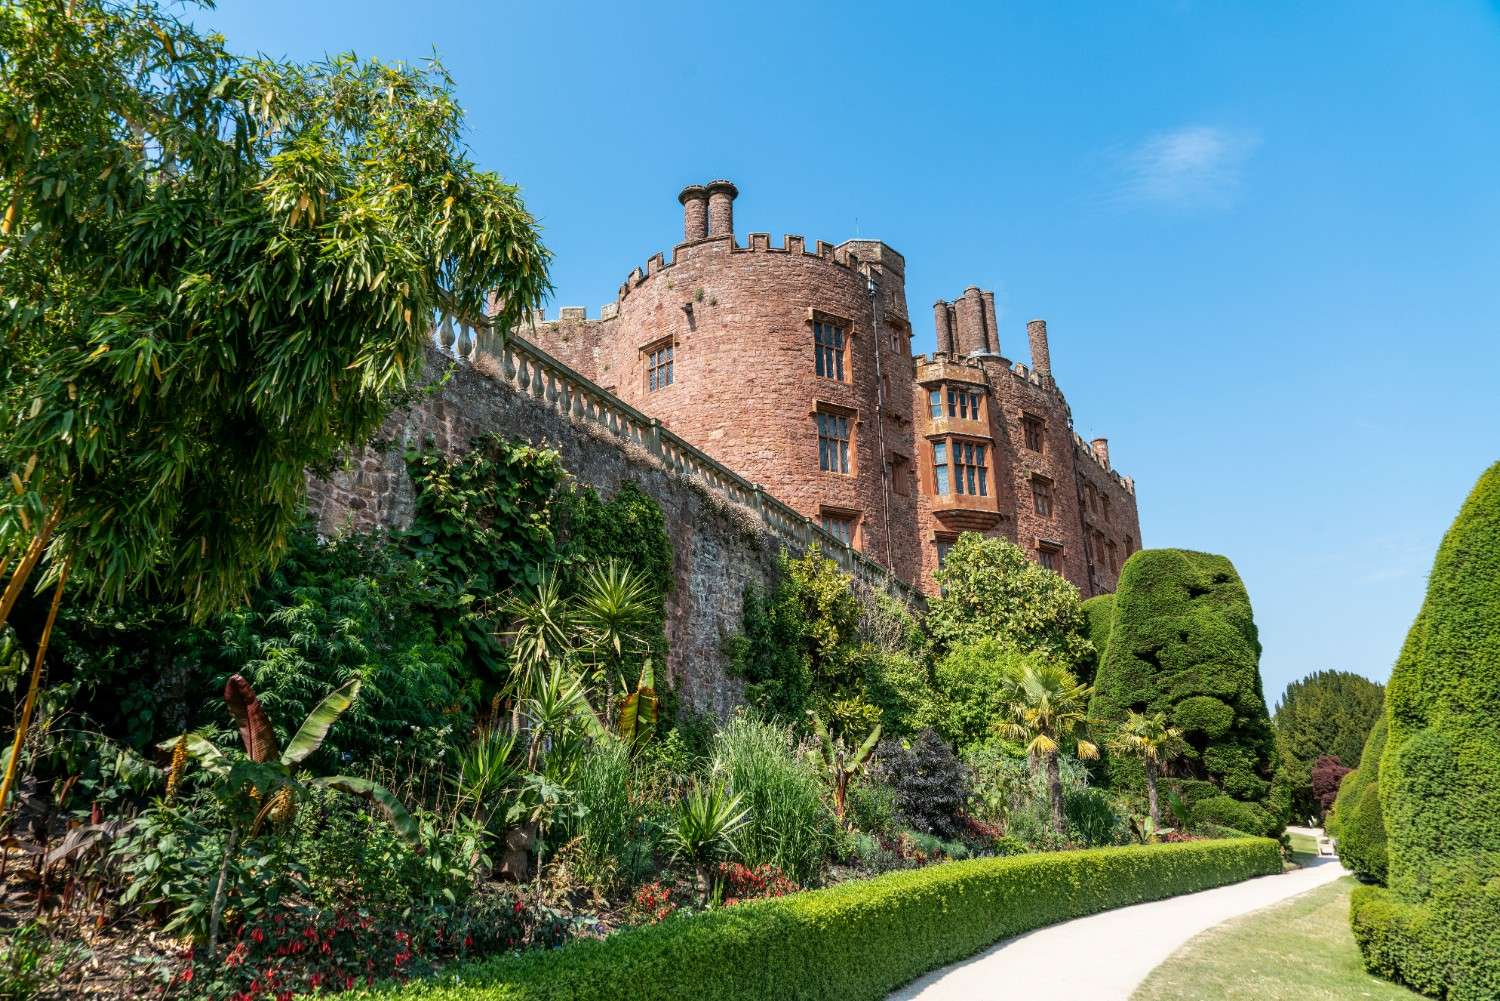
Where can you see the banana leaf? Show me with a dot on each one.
(255, 726)
(400, 820)
(638, 712)
(314, 729)
(202, 751)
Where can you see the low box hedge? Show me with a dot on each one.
(857, 940)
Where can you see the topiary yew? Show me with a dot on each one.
(1183, 642)
(1438, 926)
(1099, 618)
(1356, 820)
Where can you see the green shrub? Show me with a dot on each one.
(1093, 818)
(613, 845)
(790, 824)
(992, 590)
(1356, 820)
(1227, 811)
(1184, 642)
(1099, 614)
(856, 941)
(872, 807)
(931, 783)
(969, 684)
(1440, 774)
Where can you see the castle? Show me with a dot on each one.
(792, 365)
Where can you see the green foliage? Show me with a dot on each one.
(1099, 614)
(703, 828)
(1326, 713)
(484, 521)
(1184, 643)
(790, 824)
(1440, 771)
(816, 642)
(216, 272)
(1356, 820)
(34, 960)
(969, 683)
(613, 845)
(1226, 811)
(856, 941)
(991, 590)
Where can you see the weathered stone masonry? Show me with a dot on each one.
(725, 534)
(741, 325)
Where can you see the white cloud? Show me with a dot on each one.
(1187, 167)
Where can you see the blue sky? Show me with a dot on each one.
(1265, 236)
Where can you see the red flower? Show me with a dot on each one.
(258, 935)
(186, 976)
(519, 906)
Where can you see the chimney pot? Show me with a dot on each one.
(721, 196)
(694, 199)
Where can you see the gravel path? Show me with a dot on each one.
(1104, 957)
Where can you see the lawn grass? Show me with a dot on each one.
(1297, 950)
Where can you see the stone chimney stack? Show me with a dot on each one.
(694, 199)
(992, 332)
(943, 323)
(721, 195)
(1101, 450)
(1041, 358)
(970, 336)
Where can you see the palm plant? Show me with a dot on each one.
(265, 777)
(1155, 743)
(703, 829)
(842, 764)
(611, 608)
(1048, 712)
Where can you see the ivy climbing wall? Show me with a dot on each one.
(719, 548)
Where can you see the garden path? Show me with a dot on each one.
(1105, 956)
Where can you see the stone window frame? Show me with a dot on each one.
(1049, 553)
(978, 447)
(852, 517)
(1034, 428)
(851, 417)
(650, 367)
(1045, 497)
(901, 474)
(846, 353)
(962, 401)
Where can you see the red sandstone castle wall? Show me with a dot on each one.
(745, 386)
(745, 390)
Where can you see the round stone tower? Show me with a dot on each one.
(789, 364)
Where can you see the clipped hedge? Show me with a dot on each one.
(1356, 821)
(1438, 927)
(1099, 615)
(1183, 642)
(857, 940)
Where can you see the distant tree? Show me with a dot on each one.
(1327, 774)
(1327, 713)
(991, 590)
(216, 272)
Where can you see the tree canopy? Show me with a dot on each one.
(991, 590)
(216, 272)
(1326, 713)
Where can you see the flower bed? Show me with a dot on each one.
(857, 940)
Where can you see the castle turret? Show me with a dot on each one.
(1041, 357)
(694, 199)
(721, 195)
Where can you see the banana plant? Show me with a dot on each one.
(270, 773)
(638, 709)
(834, 757)
(266, 775)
